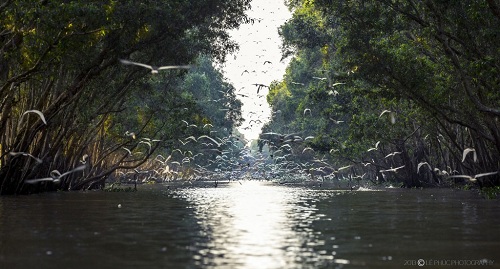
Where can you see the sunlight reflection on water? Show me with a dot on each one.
(255, 225)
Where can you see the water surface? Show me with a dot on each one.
(248, 225)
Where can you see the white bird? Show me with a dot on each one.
(474, 178)
(332, 92)
(336, 84)
(155, 69)
(38, 160)
(343, 168)
(383, 112)
(336, 121)
(467, 151)
(375, 148)
(392, 169)
(131, 134)
(55, 176)
(84, 159)
(146, 143)
(211, 139)
(191, 138)
(422, 164)
(441, 172)
(307, 110)
(38, 112)
(392, 154)
(392, 115)
(306, 149)
(128, 150)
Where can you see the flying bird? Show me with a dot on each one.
(307, 149)
(393, 154)
(467, 151)
(260, 86)
(336, 121)
(392, 115)
(155, 69)
(336, 84)
(38, 160)
(334, 93)
(38, 112)
(376, 146)
(131, 134)
(55, 175)
(474, 178)
(422, 164)
(383, 112)
(392, 169)
(343, 168)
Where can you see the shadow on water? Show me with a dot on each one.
(248, 225)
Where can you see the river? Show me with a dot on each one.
(250, 224)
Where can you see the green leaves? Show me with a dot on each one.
(430, 63)
(61, 57)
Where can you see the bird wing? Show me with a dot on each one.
(174, 67)
(344, 167)
(79, 168)
(33, 181)
(38, 160)
(466, 151)
(134, 63)
(38, 112)
(486, 174)
(306, 149)
(465, 176)
(208, 137)
(383, 112)
(421, 164)
(460, 176)
(397, 168)
(338, 83)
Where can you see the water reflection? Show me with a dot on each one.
(255, 225)
(252, 225)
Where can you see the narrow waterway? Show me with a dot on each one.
(249, 225)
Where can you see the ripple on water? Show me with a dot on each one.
(252, 225)
(255, 224)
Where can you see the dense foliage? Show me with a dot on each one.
(61, 58)
(419, 79)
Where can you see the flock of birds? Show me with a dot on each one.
(236, 161)
(257, 63)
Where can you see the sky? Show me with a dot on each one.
(258, 61)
